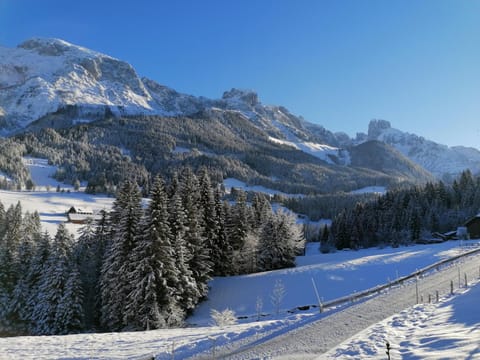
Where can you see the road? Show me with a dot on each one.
(315, 338)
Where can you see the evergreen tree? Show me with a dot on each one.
(186, 290)
(37, 269)
(239, 220)
(199, 263)
(70, 313)
(19, 307)
(52, 286)
(114, 283)
(221, 250)
(280, 241)
(155, 272)
(209, 219)
(89, 252)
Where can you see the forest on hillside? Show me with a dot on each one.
(403, 216)
(103, 153)
(137, 268)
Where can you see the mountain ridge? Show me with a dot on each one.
(52, 83)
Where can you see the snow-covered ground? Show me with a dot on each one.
(370, 189)
(347, 268)
(42, 175)
(230, 183)
(50, 204)
(335, 275)
(446, 330)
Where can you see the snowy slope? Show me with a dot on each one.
(43, 76)
(187, 342)
(50, 204)
(437, 158)
(446, 330)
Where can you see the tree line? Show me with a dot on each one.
(141, 266)
(403, 216)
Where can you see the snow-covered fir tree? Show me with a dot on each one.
(186, 291)
(114, 282)
(200, 263)
(280, 241)
(9, 246)
(238, 221)
(48, 314)
(89, 252)
(221, 249)
(152, 299)
(19, 306)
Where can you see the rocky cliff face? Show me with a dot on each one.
(50, 82)
(439, 159)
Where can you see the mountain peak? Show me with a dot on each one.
(249, 97)
(50, 46)
(376, 127)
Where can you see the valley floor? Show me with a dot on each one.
(304, 335)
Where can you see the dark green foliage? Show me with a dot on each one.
(403, 216)
(106, 151)
(136, 269)
(115, 284)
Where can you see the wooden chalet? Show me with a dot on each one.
(79, 215)
(473, 227)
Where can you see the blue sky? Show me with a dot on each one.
(338, 63)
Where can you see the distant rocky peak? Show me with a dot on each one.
(376, 127)
(248, 97)
(47, 46)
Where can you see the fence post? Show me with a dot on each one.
(466, 283)
(173, 350)
(429, 298)
(451, 287)
(320, 305)
(459, 282)
(437, 295)
(416, 288)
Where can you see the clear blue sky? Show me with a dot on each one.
(338, 63)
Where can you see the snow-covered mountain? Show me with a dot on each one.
(52, 83)
(42, 77)
(439, 159)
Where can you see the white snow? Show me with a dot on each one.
(437, 158)
(180, 150)
(370, 190)
(52, 206)
(230, 183)
(446, 330)
(349, 269)
(321, 151)
(41, 173)
(336, 275)
(34, 83)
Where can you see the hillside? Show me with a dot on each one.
(96, 119)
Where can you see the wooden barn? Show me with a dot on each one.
(473, 227)
(78, 215)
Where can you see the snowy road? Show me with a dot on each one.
(314, 339)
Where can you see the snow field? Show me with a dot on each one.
(299, 335)
(307, 342)
(446, 330)
(302, 335)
